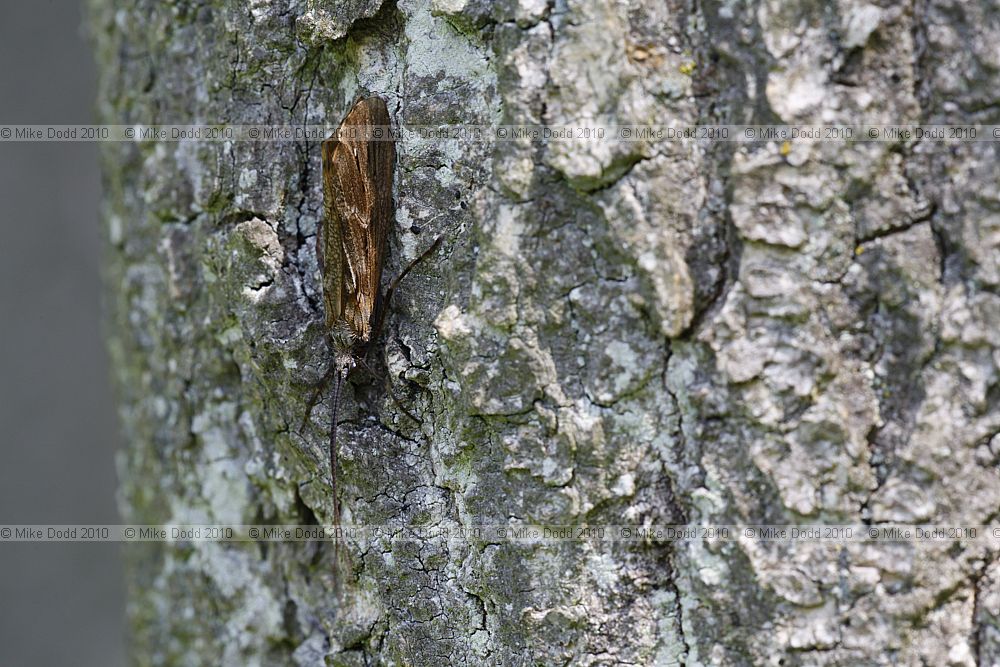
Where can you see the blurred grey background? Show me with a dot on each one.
(60, 604)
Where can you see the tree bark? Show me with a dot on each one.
(647, 332)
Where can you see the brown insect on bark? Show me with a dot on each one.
(358, 163)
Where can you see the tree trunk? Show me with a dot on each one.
(646, 333)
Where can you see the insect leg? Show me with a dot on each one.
(384, 306)
(314, 399)
(402, 408)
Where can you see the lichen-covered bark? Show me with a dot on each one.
(643, 332)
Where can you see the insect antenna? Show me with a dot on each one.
(337, 387)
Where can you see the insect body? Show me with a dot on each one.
(358, 163)
(357, 212)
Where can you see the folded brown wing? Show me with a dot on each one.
(357, 189)
(329, 249)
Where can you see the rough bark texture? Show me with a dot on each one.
(660, 332)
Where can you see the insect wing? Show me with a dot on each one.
(329, 245)
(357, 173)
